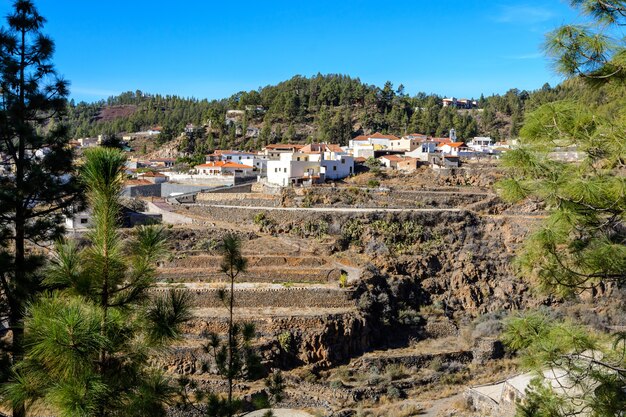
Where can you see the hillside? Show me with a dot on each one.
(320, 108)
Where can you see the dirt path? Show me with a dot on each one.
(441, 405)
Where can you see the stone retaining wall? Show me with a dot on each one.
(259, 199)
(415, 361)
(280, 297)
(240, 215)
(271, 276)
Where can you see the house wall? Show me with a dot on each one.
(280, 172)
(407, 165)
(78, 221)
(406, 145)
(363, 152)
(335, 169)
(152, 190)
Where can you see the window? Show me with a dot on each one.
(334, 167)
(298, 158)
(343, 161)
(285, 169)
(83, 221)
(275, 169)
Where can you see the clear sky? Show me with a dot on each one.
(212, 49)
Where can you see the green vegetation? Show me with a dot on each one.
(35, 181)
(88, 340)
(582, 244)
(398, 236)
(234, 358)
(334, 105)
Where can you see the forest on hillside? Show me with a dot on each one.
(320, 108)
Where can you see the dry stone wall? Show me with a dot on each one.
(272, 297)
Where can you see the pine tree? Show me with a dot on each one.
(235, 357)
(89, 340)
(582, 244)
(36, 182)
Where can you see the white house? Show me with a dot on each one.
(224, 168)
(453, 148)
(274, 151)
(244, 158)
(87, 142)
(313, 163)
(295, 168)
(481, 144)
(337, 162)
(378, 140)
(405, 144)
(423, 150)
(78, 220)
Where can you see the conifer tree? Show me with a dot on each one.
(582, 244)
(89, 341)
(235, 357)
(36, 182)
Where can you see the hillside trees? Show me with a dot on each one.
(36, 182)
(233, 355)
(89, 339)
(582, 244)
(316, 101)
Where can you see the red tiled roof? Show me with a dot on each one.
(396, 158)
(321, 147)
(218, 152)
(379, 135)
(376, 135)
(391, 157)
(223, 164)
(137, 182)
(283, 146)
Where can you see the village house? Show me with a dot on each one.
(258, 162)
(224, 168)
(383, 141)
(462, 103)
(423, 151)
(405, 144)
(337, 162)
(273, 151)
(445, 161)
(453, 149)
(399, 163)
(162, 162)
(88, 142)
(481, 144)
(312, 163)
(240, 157)
(152, 177)
(295, 168)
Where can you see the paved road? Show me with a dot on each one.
(337, 209)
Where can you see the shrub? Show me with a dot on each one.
(394, 372)
(343, 280)
(285, 339)
(393, 392)
(373, 183)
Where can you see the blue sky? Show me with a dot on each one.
(212, 49)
